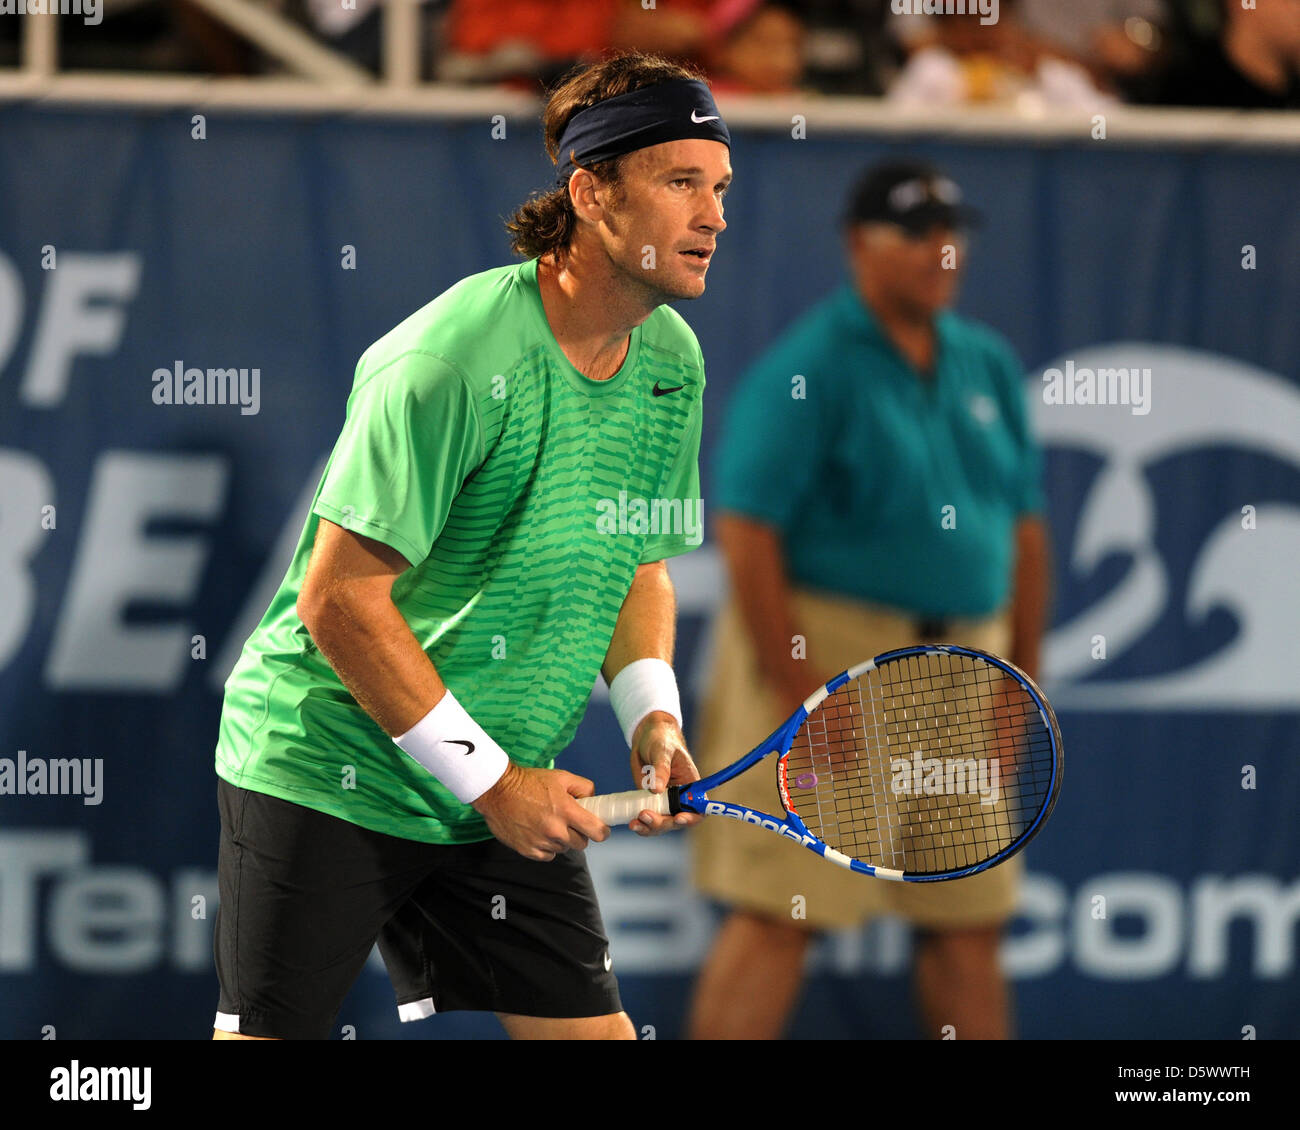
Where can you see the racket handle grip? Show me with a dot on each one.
(622, 808)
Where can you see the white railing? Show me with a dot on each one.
(328, 82)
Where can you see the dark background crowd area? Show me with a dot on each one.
(1038, 53)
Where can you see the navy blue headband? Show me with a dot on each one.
(667, 111)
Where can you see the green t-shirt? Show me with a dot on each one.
(525, 495)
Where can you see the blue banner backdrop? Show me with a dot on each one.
(139, 542)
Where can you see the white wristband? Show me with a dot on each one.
(455, 749)
(643, 686)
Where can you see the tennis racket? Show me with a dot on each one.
(923, 764)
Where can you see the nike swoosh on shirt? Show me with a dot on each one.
(469, 746)
(698, 120)
(665, 391)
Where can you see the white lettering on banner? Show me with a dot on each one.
(1040, 947)
(25, 858)
(158, 657)
(1155, 901)
(25, 486)
(106, 918)
(117, 563)
(1274, 909)
(114, 919)
(1221, 403)
(83, 312)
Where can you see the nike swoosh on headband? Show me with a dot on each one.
(651, 115)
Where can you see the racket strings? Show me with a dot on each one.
(927, 764)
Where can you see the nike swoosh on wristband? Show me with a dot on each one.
(665, 391)
(697, 120)
(469, 746)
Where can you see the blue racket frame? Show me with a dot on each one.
(694, 797)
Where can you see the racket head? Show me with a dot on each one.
(923, 764)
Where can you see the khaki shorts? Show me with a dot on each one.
(747, 867)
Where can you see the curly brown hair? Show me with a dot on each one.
(544, 223)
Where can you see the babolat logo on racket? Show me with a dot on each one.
(748, 816)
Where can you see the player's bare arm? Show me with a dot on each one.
(646, 629)
(346, 604)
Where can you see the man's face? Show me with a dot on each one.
(661, 227)
(768, 53)
(917, 272)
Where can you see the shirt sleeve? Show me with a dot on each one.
(683, 484)
(1029, 497)
(767, 459)
(411, 437)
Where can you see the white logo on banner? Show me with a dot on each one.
(1202, 401)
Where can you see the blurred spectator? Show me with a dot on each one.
(757, 48)
(960, 58)
(1251, 60)
(527, 40)
(1117, 40)
(847, 47)
(513, 40)
(676, 28)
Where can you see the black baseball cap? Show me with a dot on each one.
(915, 195)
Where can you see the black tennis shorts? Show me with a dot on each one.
(304, 896)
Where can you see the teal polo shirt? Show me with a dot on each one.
(857, 471)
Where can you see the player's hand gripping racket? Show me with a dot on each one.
(922, 764)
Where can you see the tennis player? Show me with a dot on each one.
(388, 734)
